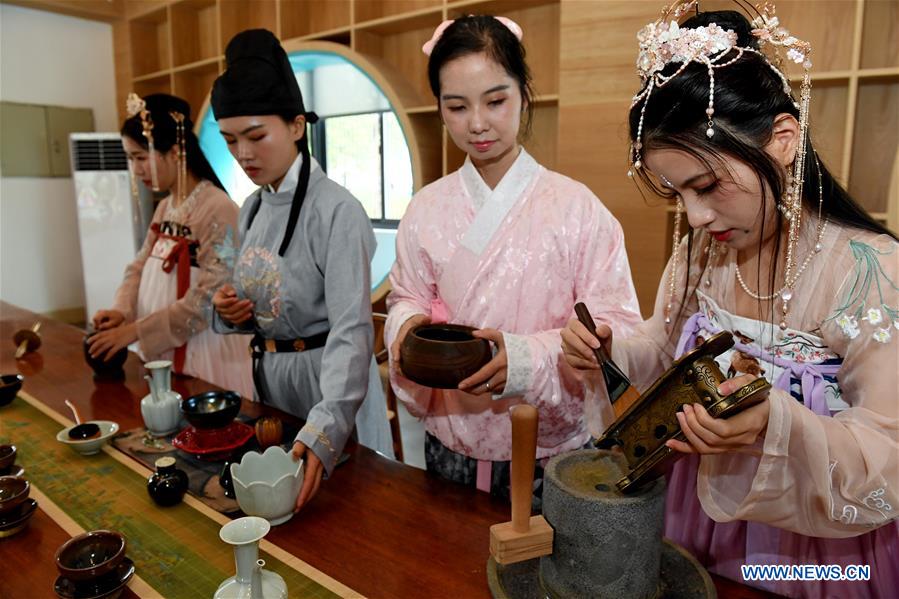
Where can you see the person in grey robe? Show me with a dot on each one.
(302, 279)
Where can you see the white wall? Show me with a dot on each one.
(50, 59)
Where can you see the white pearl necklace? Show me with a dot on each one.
(785, 292)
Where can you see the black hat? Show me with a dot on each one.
(258, 79)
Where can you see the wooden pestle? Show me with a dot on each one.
(526, 536)
(524, 456)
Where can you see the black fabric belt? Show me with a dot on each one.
(259, 346)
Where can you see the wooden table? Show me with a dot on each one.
(380, 527)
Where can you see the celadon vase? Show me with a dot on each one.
(251, 581)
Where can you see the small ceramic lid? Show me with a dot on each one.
(166, 462)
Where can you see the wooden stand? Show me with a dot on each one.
(526, 536)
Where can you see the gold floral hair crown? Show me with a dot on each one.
(664, 42)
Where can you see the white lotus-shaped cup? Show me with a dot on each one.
(267, 484)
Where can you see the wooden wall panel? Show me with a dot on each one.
(880, 35)
(597, 81)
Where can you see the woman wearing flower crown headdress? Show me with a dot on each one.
(164, 302)
(508, 247)
(782, 255)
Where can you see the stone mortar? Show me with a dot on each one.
(606, 544)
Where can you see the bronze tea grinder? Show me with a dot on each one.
(643, 424)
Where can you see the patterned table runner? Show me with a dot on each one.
(177, 550)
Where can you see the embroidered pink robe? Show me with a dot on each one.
(516, 258)
(207, 219)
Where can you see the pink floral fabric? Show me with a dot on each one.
(556, 245)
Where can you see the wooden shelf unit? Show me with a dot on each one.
(582, 56)
(157, 84)
(384, 10)
(177, 46)
(193, 84)
(150, 43)
(195, 26)
(302, 18)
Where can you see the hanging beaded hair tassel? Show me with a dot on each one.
(181, 192)
(675, 259)
(131, 175)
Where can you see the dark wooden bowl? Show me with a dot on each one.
(442, 355)
(90, 555)
(7, 456)
(13, 492)
(10, 384)
(213, 409)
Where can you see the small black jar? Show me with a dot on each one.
(168, 484)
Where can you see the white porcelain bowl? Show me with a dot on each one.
(267, 484)
(89, 446)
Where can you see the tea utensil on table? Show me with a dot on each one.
(622, 394)
(27, 340)
(87, 430)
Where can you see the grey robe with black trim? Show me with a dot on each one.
(322, 283)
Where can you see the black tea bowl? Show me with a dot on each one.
(213, 409)
(90, 555)
(10, 384)
(7, 457)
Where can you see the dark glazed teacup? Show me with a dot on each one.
(442, 355)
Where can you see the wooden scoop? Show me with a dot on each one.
(622, 394)
(81, 432)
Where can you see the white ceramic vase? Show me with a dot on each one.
(251, 581)
(161, 408)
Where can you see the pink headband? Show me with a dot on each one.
(428, 46)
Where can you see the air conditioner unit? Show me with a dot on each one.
(112, 223)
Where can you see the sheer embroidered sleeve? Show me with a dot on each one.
(819, 475)
(214, 223)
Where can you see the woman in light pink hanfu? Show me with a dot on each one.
(508, 247)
